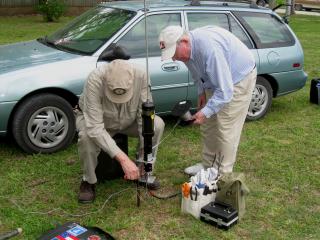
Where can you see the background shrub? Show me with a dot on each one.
(51, 10)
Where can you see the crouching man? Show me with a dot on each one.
(111, 103)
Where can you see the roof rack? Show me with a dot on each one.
(225, 2)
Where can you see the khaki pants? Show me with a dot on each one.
(221, 132)
(89, 151)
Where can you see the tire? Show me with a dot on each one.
(44, 123)
(261, 100)
(261, 3)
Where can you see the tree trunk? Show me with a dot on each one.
(288, 7)
(293, 2)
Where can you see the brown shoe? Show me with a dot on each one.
(155, 185)
(87, 192)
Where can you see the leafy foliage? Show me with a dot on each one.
(51, 10)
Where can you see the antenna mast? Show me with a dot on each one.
(147, 48)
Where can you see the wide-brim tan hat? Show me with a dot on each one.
(168, 41)
(119, 79)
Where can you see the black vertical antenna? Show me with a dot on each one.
(148, 111)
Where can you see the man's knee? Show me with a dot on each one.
(159, 124)
(84, 141)
(82, 137)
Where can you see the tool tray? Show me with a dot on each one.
(219, 214)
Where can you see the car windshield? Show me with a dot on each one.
(89, 31)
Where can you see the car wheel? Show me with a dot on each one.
(44, 123)
(261, 100)
(261, 3)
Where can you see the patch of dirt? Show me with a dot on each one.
(36, 182)
(70, 161)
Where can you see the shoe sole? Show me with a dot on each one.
(189, 174)
(85, 202)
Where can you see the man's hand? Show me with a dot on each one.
(199, 118)
(201, 101)
(131, 171)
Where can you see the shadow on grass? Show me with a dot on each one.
(7, 144)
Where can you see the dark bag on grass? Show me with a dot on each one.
(232, 190)
(315, 91)
(72, 230)
(109, 168)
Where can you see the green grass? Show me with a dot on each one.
(279, 154)
(16, 29)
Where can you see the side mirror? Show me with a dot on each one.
(114, 52)
(286, 19)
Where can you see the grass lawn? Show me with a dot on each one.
(279, 154)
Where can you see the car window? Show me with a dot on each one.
(196, 20)
(134, 40)
(266, 30)
(239, 32)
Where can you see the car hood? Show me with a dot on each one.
(28, 54)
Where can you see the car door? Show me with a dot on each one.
(169, 80)
(223, 19)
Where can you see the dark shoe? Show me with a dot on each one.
(155, 185)
(87, 192)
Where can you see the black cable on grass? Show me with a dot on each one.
(153, 194)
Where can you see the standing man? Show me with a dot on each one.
(224, 70)
(111, 103)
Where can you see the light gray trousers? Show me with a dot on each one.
(89, 151)
(221, 132)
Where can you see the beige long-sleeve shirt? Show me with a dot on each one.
(102, 116)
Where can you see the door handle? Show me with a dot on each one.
(170, 67)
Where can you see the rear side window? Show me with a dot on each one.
(238, 32)
(196, 20)
(266, 30)
(222, 20)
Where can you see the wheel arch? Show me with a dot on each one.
(65, 94)
(272, 82)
